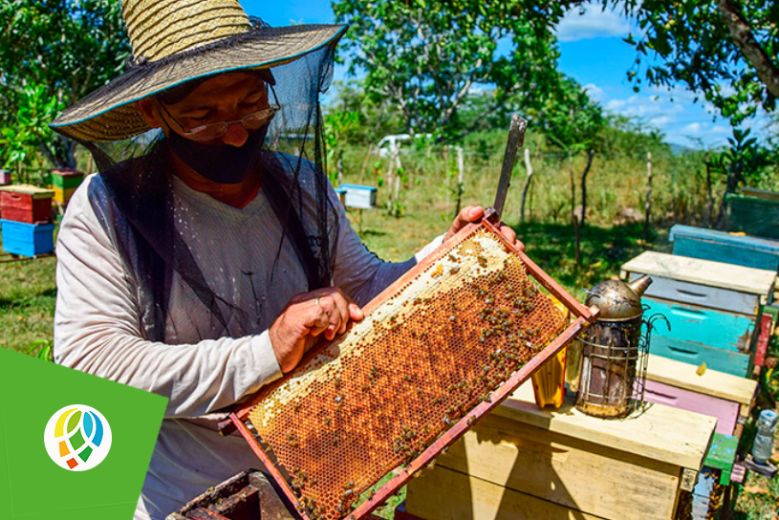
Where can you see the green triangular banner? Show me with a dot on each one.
(72, 445)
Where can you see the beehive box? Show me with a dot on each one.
(245, 496)
(63, 195)
(722, 340)
(733, 396)
(24, 239)
(523, 463)
(359, 196)
(24, 203)
(725, 247)
(66, 179)
(438, 349)
(705, 283)
(755, 212)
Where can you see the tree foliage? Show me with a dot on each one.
(571, 121)
(52, 53)
(725, 50)
(376, 117)
(427, 57)
(21, 141)
(744, 161)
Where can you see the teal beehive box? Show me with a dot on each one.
(722, 340)
(721, 246)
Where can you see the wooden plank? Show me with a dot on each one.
(760, 194)
(725, 411)
(660, 432)
(443, 494)
(704, 272)
(710, 382)
(27, 189)
(565, 470)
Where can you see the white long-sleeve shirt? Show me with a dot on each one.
(97, 326)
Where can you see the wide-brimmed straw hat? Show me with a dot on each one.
(176, 41)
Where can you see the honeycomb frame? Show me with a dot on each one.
(328, 432)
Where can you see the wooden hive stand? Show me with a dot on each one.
(522, 462)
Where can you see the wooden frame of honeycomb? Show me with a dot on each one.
(439, 348)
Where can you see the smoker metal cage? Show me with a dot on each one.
(439, 348)
(614, 364)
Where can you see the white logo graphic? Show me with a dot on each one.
(77, 437)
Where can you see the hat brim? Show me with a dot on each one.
(109, 114)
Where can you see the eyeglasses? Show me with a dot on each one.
(211, 131)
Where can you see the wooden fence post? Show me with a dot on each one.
(576, 222)
(393, 177)
(460, 175)
(583, 216)
(709, 194)
(648, 201)
(526, 187)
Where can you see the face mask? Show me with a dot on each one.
(220, 163)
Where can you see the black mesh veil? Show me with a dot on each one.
(133, 195)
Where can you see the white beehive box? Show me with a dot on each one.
(359, 196)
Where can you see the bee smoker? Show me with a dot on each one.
(614, 352)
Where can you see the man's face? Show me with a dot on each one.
(227, 97)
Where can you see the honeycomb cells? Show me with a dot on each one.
(375, 398)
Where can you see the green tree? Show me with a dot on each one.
(21, 141)
(573, 124)
(427, 57)
(337, 126)
(742, 161)
(53, 52)
(724, 50)
(625, 136)
(376, 117)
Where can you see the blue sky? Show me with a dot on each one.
(592, 52)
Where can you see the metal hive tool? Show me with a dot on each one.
(438, 349)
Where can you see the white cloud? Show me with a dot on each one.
(661, 121)
(637, 106)
(591, 22)
(615, 105)
(594, 91)
(693, 129)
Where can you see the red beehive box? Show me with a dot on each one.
(24, 203)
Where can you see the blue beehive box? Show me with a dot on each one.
(20, 238)
(725, 247)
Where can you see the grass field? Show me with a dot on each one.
(424, 209)
(27, 296)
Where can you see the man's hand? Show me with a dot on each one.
(308, 315)
(474, 214)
